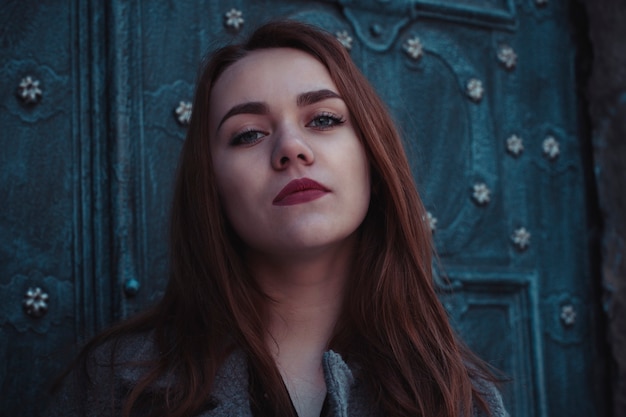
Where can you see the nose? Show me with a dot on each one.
(291, 148)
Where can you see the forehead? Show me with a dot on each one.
(268, 75)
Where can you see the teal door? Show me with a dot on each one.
(94, 104)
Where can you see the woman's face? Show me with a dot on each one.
(292, 175)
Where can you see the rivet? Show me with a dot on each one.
(376, 30)
(514, 145)
(345, 39)
(131, 287)
(35, 302)
(29, 91)
(183, 113)
(551, 148)
(432, 221)
(481, 194)
(475, 90)
(568, 315)
(234, 19)
(521, 238)
(507, 57)
(413, 47)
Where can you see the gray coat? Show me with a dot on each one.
(347, 396)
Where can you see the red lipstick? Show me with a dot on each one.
(298, 191)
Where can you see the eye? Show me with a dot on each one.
(248, 137)
(324, 121)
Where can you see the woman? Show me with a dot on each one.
(301, 276)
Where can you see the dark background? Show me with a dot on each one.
(603, 88)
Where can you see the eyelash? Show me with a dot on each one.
(333, 118)
(245, 137)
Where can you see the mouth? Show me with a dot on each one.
(298, 191)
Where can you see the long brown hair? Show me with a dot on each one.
(393, 326)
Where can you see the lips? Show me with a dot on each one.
(298, 191)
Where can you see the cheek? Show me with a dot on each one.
(238, 189)
(366, 189)
(361, 169)
(227, 187)
(356, 172)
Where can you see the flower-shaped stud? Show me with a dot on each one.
(432, 221)
(183, 113)
(507, 56)
(413, 48)
(481, 194)
(474, 89)
(35, 302)
(29, 90)
(234, 19)
(514, 145)
(521, 238)
(568, 315)
(551, 148)
(345, 39)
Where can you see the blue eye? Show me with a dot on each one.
(325, 121)
(247, 137)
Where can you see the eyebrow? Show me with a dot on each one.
(252, 107)
(312, 97)
(258, 107)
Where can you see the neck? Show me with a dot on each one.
(306, 293)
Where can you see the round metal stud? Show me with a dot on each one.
(345, 39)
(183, 113)
(551, 148)
(234, 19)
(413, 47)
(481, 194)
(514, 145)
(507, 56)
(131, 287)
(521, 238)
(35, 302)
(29, 90)
(376, 30)
(541, 2)
(475, 90)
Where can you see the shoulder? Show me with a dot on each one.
(102, 375)
(492, 397)
(124, 356)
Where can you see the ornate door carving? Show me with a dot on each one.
(95, 100)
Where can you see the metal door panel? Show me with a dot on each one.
(88, 169)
